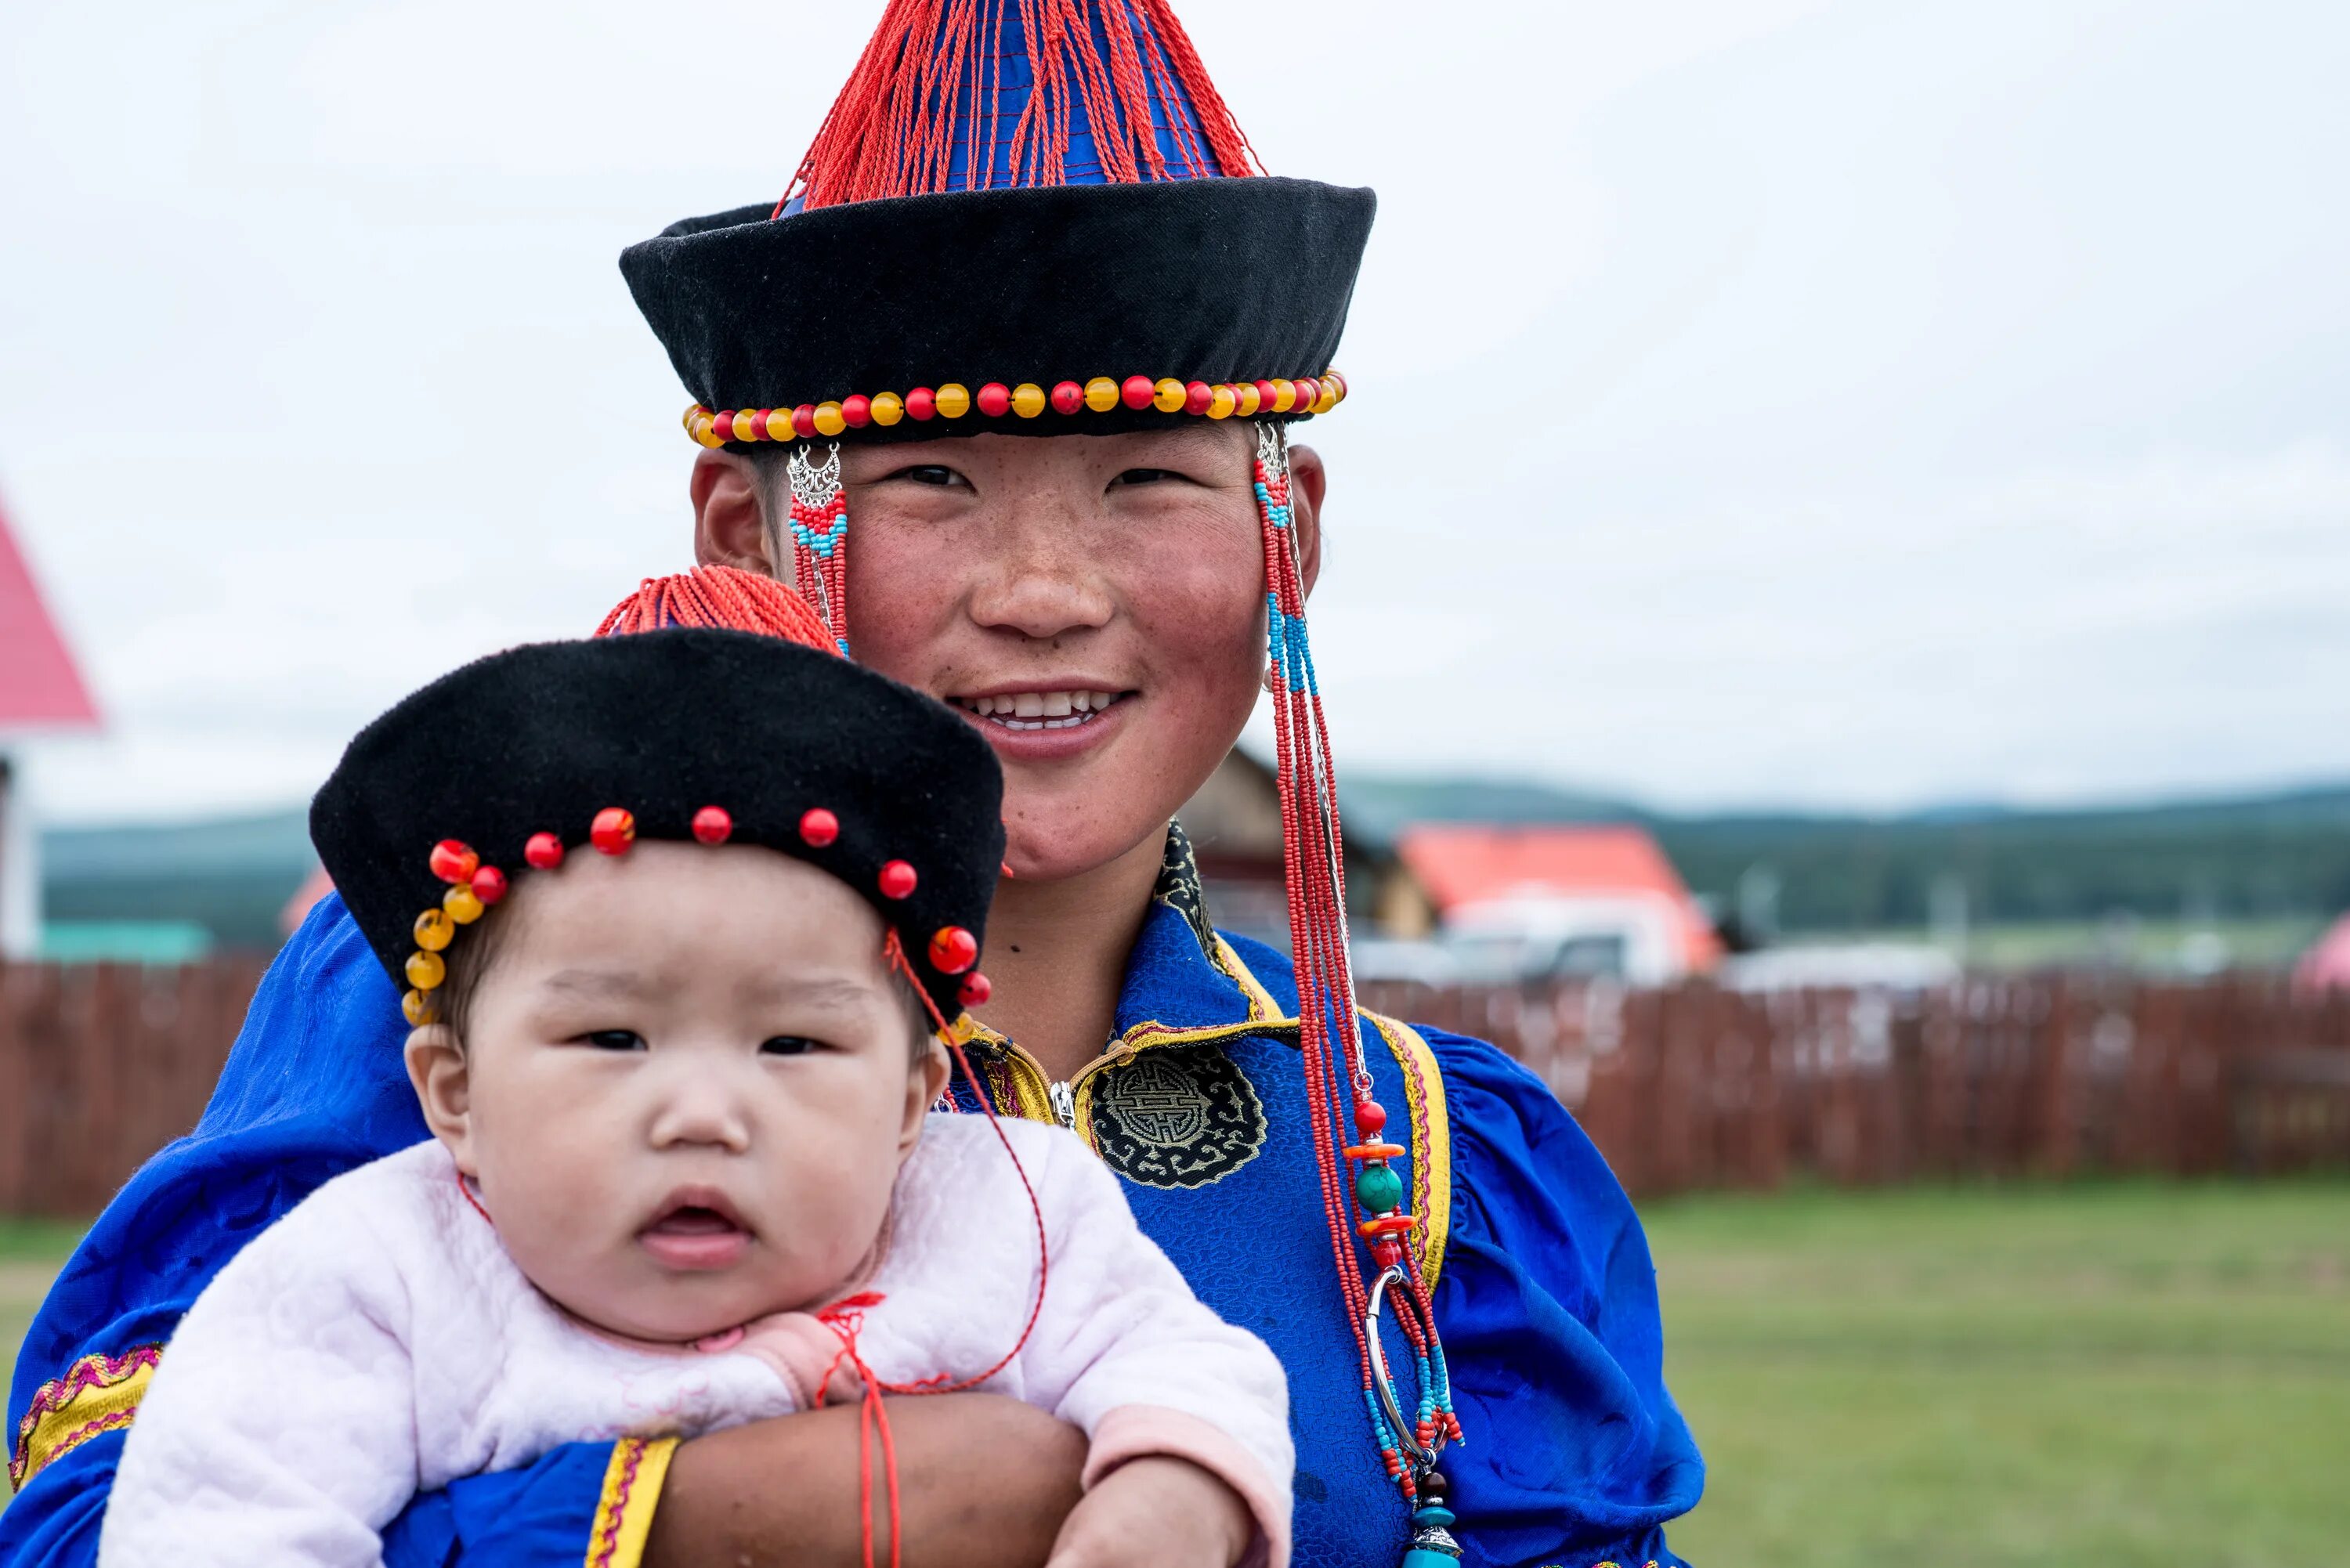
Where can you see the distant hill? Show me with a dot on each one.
(2286, 854)
(230, 874)
(2273, 855)
(1381, 807)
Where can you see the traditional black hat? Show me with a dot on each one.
(518, 759)
(1036, 230)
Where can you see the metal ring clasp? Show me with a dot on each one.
(1382, 1382)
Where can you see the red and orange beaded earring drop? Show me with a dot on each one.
(1338, 1079)
(820, 536)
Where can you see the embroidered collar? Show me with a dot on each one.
(1183, 978)
(1179, 887)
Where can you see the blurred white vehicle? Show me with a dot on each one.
(1634, 937)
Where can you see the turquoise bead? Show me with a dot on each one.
(1421, 1557)
(1432, 1515)
(1379, 1189)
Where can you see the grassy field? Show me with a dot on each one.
(30, 1251)
(2088, 1377)
(2161, 946)
(2083, 1376)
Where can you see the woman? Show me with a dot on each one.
(1085, 572)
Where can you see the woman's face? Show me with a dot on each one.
(1095, 604)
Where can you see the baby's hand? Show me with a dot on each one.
(1156, 1512)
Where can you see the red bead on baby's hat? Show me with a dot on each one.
(614, 830)
(818, 827)
(954, 949)
(896, 879)
(712, 825)
(975, 990)
(489, 884)
(543, 851)
(452, 861)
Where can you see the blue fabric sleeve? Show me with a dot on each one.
(537, 1517)
(315, 1087)
(541, 1514)
(53, 1522)
(1547, 1306)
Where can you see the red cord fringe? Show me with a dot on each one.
(719, 597)
(932, 72)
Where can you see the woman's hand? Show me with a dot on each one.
(983, 1481)
(1156, 1512)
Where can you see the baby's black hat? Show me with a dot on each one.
(510, 763)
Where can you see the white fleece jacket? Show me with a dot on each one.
(378, 1341)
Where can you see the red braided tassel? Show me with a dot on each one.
(1337, 1076)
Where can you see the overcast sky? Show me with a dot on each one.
(1784, 401)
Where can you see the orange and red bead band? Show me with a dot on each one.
(1215, 401)
(474, 886)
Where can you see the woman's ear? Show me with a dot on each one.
(924, 1085)
(436, 1066)
(730, 527)
(1307, 481)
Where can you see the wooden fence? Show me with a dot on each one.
(1687, 1088)
(2054, 1076)
(100, 1065)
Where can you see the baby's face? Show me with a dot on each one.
(686, 1086)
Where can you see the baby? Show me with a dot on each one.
(681, 918)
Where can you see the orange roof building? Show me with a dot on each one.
(1461, 869)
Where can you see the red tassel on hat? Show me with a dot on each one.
(720, 597)
(942, 75)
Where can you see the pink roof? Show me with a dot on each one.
(2326, 965)
(314, 886)
(1460, 864)
(40, 686)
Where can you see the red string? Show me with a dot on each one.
(895, 951)
(465, 1187)
(847, 1317)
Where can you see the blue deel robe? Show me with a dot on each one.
(1575, 1454)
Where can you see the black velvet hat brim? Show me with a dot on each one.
(540, 739)
(1215, 280)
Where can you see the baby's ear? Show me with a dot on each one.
(924, 1086)
(436, 1066)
